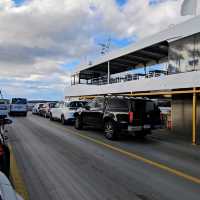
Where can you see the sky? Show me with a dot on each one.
(42, 41)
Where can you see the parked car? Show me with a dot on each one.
(18, 106)
(117, 115)
(36, 108)
(64, 111)
(45, 109)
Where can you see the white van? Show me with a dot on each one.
(4, 108)
(18, 106)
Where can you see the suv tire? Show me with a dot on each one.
(110, 130)
(63, 121)
(78, 123)
(51, 117)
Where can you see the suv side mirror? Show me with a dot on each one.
(87, 107)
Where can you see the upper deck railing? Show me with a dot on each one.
(127, 77)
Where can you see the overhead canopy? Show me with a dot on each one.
(150, 55)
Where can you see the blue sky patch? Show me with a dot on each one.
(114, 41)
(121, 2)
(120, 43)
(19, 2)
(156, 2)
(71, 65)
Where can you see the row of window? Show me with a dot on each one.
(184, 55)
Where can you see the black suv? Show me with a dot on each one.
(116, 115)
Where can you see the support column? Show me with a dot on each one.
(108, 73)
(194, 117)
(145, 69)
(79, 80)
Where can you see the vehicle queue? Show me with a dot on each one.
(115, 115)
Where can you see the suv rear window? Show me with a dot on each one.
(19, 101)
(143, 106)
(150, 106)
(120, 105)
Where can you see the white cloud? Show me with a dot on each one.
(36, 37)
(5, 4)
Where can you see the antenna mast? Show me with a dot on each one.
(105, 46)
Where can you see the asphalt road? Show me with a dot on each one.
(59, 162)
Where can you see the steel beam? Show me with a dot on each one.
(163, 93)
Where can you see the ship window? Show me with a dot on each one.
(197, 52)
(181, 55)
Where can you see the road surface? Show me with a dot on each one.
(60, 163)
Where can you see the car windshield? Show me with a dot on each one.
(19, 101)
(52, 105)
(40, 105)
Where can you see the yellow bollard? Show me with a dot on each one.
(194, 116)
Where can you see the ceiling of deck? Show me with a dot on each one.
(144, 57)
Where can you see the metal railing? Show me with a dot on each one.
(127, 77)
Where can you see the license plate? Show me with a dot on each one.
(70, 115)
(146, 126)
(3, 107)
(19, 108)
(134, 128)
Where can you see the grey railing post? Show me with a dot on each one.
(108, 72)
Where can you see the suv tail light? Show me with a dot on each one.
(130, 117)
(161, 116)
(1, 150)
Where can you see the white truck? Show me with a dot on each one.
(18, 106)
(64, 111)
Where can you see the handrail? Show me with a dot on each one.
(103, 80)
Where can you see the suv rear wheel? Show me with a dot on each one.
(63, 121)
(110, 130)
(78, 123)
(51, 117)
